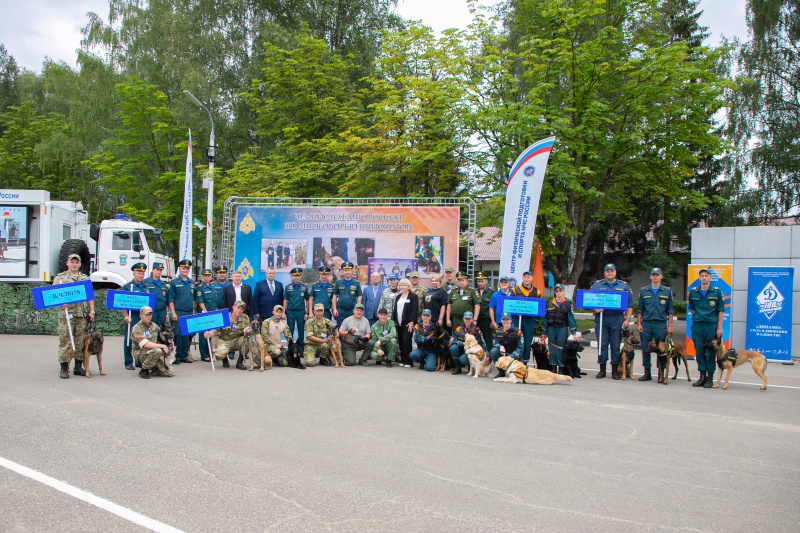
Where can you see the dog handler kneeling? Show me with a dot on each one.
(707, 306)
(271, 331)
(425, 350)
(457, 342)
(144, 348)
(382, 343)
(232, 338)
(510, 339)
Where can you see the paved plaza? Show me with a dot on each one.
(377, 449)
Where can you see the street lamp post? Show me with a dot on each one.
(208, 182)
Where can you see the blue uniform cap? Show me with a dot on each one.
(347, 264)
(505, 315)
(158, 265)
(610, 266)
(297, 270)
(560, 286)
(426, 312)
(503, 278)
(656, 271)
(139, 267)
(185, 263)
(468, 314)
(220, 268)
(206, 272)
(393, 275)
(324, 270)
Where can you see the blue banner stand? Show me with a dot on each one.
(769, 312)
(63, 294)
(605, 301)
(129, 301)
(203, 322)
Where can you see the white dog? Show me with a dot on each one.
(479, 362)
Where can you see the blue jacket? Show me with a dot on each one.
(371, 302)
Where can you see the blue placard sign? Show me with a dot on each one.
(204, 321)
(769, 311)
(519, 305)
(606, 300)
(65, 293)
(129, 301)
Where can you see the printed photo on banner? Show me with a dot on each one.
(283, 254)
(386, 267)
(14, 241)
(334, 251)
(429, 251)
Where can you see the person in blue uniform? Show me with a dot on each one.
(181, 300)
(159, 287)
(613, 321)
(528, 328)
(221, 274)
(469, 327)
(137, 284)
(295, 302)
(425, 354)
(322, 292)
(654, 315)
(346, 294)
(206, 297)
(707, 307)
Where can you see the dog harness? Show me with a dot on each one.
(730, 355)
(480, 356)
(521, 372)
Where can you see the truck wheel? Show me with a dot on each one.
(74, 246)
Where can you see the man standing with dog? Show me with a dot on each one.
(654, 315)
(613, 321)
(707, 306)
(150, 355)
(355, 332)
(181, 299)
(79, 312)
(137, 284)
(232, 338)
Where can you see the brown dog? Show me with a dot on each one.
(731, 359)
(517, 372)
(626, 354)
(92, 345)
(666, 353)
(256, 347)
(334, 347)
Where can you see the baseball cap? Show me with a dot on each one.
(503, 278)
(414, 274)
(468, 314)
(707, 271)
(505, 315)
(158, 265)
(74, 256)
(146, 310)
(527, 273)
(610, 266)
(560, 286)
(426, 312)
(239, 303)
(393, 276)
(358, 306)
(318, 306)
(449, 269)
(383, 311)
(280, 307)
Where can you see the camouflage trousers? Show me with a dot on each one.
(222, 347)
(153, 359)
(389, 348)
(78, 332)
(310, 352)
(275, 352)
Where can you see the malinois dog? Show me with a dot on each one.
(731, 359)
(665, 352)
(626, 354)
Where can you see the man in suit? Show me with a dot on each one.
(237, 291)
(267, 294)
(371, 297)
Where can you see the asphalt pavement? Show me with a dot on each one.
(378, 449)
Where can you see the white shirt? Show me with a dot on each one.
(237, 289)
(401, 303)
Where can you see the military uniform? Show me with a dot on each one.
(425, 350)
(347, 295)
(132, 286)
(559, 322)
(420, 291)
(387, 300)
(78, 322)
(219, 287)
(295, 296)
(484, 320)
(387, 335)
(318, 329)
(323, 294)
(181, 294)
(612, 322)
(509, 338)
(160, 289)
(654, 306)
(151, 359)
(207, 295)
(233, 339)
(528, 322)
(457, 347)
(706, 309)
(271, 331)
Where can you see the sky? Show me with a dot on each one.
(35, 29)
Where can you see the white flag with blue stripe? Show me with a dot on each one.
(185, 243)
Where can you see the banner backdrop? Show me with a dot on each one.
(523, 189)
(307, 237)
(722, 278)
(769, 312)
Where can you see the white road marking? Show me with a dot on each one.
(88, 497)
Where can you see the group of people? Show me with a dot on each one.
(384, 323)
(280, 256)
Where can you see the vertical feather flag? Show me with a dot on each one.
(538, 271)
(185, 243)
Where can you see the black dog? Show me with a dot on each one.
(295, 358)
(540, 354)
(570, 357)
(440, 338)
(166, 335)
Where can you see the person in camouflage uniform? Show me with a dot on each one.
(316, 328)
(271, 331)
(389, 294)
(151, 355)
(81, 312)
(233, 338)
(417, 289)
(382, 343)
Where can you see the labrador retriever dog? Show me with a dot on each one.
(518, 372)
(626, 354)
(479, 362)
(257, 348)
(665, 352)
(732, 358)
(569, 355)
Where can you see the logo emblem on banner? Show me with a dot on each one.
(530, 171)
(247, 224)
(770, 300)
(246, 268)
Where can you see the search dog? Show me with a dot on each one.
(731, 359)
(92, 345)
(626, 354)
(166, 336)
(257, 348)
(518, 372)
(480, 364)
(569, 356)
(334, 347)
(540, 353)
(441, 347)
(665, 352)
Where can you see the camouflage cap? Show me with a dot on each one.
(319, 306)
(358, 306)
(146, 310)
(277, 308)
(414, 274)
(239, 303)
(74, 256)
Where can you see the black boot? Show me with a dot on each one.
(78, 370)
(602, 373)
(615, 372)
(563, 371)
(145, 374)
(700, 382)
(64, 371)
(709, 381)
(456, 368)
(646, 376)
(240, 362)
(225, 363)
(500, 373)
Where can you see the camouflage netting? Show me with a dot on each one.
(19, 317)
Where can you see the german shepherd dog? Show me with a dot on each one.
(256, 347)
(569, 355)
(731, 359)
(441, 347)
(92, 345)
(294, 356)
(626, 354)
(334, 347)
(540, 353)
(166, 336)
(666, 351)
